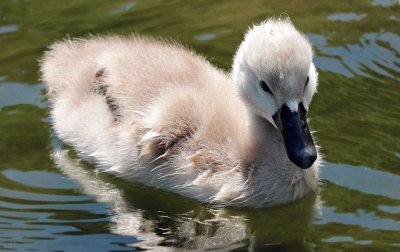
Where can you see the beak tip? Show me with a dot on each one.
(306, 159)
(308, 162)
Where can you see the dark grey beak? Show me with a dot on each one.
(299, 144)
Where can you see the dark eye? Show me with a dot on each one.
(307, 81)
(265, 87)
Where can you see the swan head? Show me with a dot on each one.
(275, 76)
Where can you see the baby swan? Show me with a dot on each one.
(153, 112)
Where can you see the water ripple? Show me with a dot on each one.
(42, 198)
(8, 28)
(39, 179)
(384, 3)
(347, 17)
(360, 218)
(356, 59)
(372, 181)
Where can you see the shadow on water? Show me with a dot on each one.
(163, 220)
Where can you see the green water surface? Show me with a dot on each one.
(356, 115)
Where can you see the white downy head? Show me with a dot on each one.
(275, 53)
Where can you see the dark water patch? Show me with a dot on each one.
(24, 138)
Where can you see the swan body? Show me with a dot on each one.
(156, 113)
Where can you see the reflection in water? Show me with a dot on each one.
(125, 222)
(191, 225)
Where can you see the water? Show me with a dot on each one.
(52, 203)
